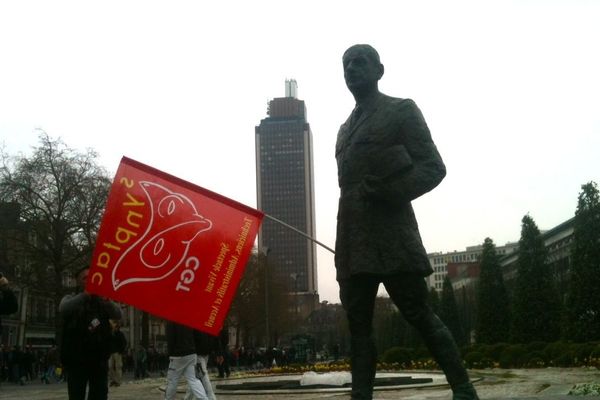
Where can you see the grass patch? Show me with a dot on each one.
(586, 389)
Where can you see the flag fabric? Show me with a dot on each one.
(171, 248)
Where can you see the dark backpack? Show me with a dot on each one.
(87, 334)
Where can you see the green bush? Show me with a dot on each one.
(400, 355)
(536, 346)
(535, 362)
(555, 350)
(513, 356)
(421, 353)
(583, 352)
(478, 360)
(595, 352)
(567, 359)
(473, 358)
(535, 359)
(495, 351)
(484, 349)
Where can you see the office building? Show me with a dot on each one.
(285, 190)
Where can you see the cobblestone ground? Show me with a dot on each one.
(550, 383)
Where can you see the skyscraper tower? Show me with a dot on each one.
(284, 180)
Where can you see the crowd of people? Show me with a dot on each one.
(19, 365)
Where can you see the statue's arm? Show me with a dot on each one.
(113, 309)
(426, 170)
(71, 302)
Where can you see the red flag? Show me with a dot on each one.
(171, 248)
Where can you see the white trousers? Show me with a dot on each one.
(185, 366)
(202, 374)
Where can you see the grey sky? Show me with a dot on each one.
(510, 90)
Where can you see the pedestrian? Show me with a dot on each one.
(118, 344)
(85, 343)
(205, 345)
(52, 362)
(18, 365)
(28, 363)
(223, 354)
(386, 158)
(140, 361)
(182, 361)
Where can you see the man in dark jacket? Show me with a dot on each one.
(85, 343)
(386, 158)
(182, 361)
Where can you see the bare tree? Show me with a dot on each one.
(60, 195)
(261, 305)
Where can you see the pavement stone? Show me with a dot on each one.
(535, 384)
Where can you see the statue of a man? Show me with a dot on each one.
(386, 158)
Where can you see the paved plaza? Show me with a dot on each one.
(549, 383)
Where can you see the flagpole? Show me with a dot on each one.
(300, 232)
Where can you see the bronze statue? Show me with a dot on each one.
(386, 158)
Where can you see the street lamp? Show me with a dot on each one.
(265, 252)
(295, 276)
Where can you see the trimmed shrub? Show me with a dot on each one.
(473, 358)
(536, 346)
(495, 351)
(556, 350)
(513, 356)
(535, 359)
(420, 353)
(566, 359)
(400, 355)
(477, 360)
(583, 352)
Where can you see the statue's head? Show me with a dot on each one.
(362, 68)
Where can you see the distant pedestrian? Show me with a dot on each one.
(140, 361)
(118, 344)
(52, 362)
(28, 363)
(18, 365)
(223, 355)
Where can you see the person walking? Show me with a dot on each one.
(182, 361)
(205, 346)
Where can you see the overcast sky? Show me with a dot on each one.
(510, 90)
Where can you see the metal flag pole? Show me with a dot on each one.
(299, 232)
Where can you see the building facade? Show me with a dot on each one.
(439, 261)
(558, 242)
(285, 190)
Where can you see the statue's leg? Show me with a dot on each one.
(358, 299)
(409, 293)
